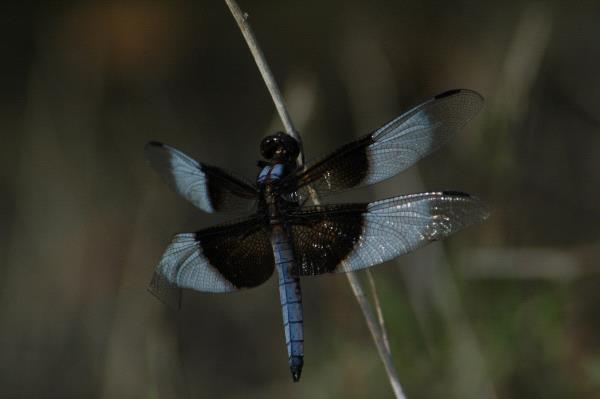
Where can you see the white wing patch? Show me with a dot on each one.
(190, 181)
(396, 226)
(419, 132)
(183, 173)
(184, 266)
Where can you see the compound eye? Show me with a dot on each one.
(269, 146)
(280, 147)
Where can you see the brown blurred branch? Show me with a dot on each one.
(525, 263)
(377, 330)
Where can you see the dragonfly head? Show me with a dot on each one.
(279, 147)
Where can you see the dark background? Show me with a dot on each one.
(507, 309)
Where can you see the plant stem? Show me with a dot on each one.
(377, 306)
(378, 337)
(242, 20)
(377, 329)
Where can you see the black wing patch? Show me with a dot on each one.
(323, 236)
(207, 187)
(343, 238)
(392, 148)
(223, 258)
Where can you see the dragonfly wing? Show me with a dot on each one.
(390, 149)
(350, 237)
(220, 259)
(207, 187)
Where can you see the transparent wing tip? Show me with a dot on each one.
(468, 92)
(166, 292)
(477, 209)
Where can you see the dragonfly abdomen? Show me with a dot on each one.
(291, 300)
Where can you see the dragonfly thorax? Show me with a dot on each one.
(271, 200)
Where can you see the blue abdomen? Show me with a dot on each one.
(291, 300)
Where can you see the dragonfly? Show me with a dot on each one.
(289, 232)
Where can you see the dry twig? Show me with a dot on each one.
(377, 330)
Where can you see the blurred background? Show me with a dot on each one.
(506, 309)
